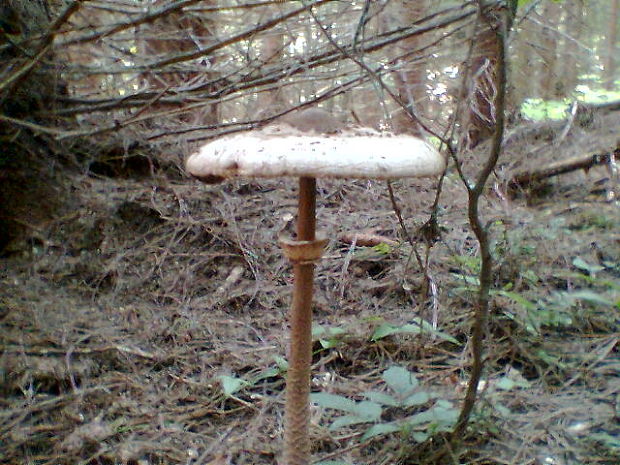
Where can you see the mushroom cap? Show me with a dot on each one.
(366, 156)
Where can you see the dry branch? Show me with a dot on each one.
(252, 79)
(581, 162)
(367, 239)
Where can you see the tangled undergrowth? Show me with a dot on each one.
(146, 324)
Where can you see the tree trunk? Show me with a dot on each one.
(26, 85)
(549, 50)
(571, 51)
(410, 79)
(271, 53)
(175, 33)
(524, 55)
(612, 50)
(481, 121)
(29, 89)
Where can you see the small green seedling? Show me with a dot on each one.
(328, 336)
(416, 326)
(231, 385)
(403, 394)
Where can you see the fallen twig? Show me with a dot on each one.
(581, 162)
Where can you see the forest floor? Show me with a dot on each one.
(145, 321)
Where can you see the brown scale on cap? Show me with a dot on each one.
(313, 120)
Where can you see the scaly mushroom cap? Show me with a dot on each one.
(368, 155)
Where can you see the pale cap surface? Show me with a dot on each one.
(370, 156)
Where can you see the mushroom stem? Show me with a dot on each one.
(306, 219)
(353, 154)
(297, 410)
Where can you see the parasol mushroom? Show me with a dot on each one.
(301, 147)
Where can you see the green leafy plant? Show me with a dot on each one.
(495, 393)
(559, 309)
(534, 316)
(581, 264)
(403, 394)
(383, 248)
(231, 385)
(328, 336)
(538, 109)
(416, 326)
